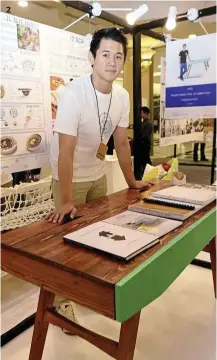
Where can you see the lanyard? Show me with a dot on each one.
(97, 104)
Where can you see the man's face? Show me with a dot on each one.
(184, 47)
(144, 115)
(109, 60)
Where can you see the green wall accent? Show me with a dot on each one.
(151, 278)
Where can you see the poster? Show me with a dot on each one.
(191, 78)
(62, 66)
(177, 131)
(37, 62)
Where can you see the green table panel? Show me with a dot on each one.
(150, 279)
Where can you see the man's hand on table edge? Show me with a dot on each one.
(68, 210)
(65, 210)
(140, 184)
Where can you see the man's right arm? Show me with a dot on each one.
(66, 126)
(188, 56)
(65, 172)
(65, 166)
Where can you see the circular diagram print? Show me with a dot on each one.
(13, 112)
(2, 113)
(8, 145)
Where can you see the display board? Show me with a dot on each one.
(191, 78)
(37, 62)
(177, 131)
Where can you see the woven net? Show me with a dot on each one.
(26, 203)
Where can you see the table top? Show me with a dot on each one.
(199, 61)
(44, 241)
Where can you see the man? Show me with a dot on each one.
(91, 109)
(146, 134)
(188, 128)
(202, 152)
(183, 55)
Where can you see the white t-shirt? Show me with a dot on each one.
(77, 115)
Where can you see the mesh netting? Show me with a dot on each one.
(26, 203)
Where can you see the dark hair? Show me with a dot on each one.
(145, 109)
(184, 44)
(110, 33)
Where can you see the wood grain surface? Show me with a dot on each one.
(43, 241)
(92, 294)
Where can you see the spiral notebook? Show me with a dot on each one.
(165, 208)
(176, 202)
(189, 193)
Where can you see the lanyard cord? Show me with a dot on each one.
(102, 130)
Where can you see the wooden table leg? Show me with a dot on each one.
(188, 72)
(128, 336)
(46, 299)
(212, 249)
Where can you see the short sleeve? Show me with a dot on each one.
(187, 52)
(124, 121)
(68, 114)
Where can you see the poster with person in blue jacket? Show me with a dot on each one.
(191, 78)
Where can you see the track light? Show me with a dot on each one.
(193, 14)
(95, 9)
(192, 36)
(23, 3)
(136, 14)
(171, 20)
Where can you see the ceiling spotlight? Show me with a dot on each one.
(171, 20)
(136, 14)
(23, 3)
(95, 9)
(193, 14)
(192, 36)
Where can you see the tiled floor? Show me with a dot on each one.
(18, 301)
(180, 325)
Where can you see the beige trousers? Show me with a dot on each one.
(83, 192)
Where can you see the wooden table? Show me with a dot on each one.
(118, 290)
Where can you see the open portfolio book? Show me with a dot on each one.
(176, 202)
(128, 234)
(123, 236)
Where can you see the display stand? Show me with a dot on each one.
(213, 167)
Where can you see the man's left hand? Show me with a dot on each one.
(140, 184)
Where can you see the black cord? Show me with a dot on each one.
(101, 131)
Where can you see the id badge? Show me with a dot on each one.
(101, 152)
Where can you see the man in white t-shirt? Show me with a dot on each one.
(91, 109)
